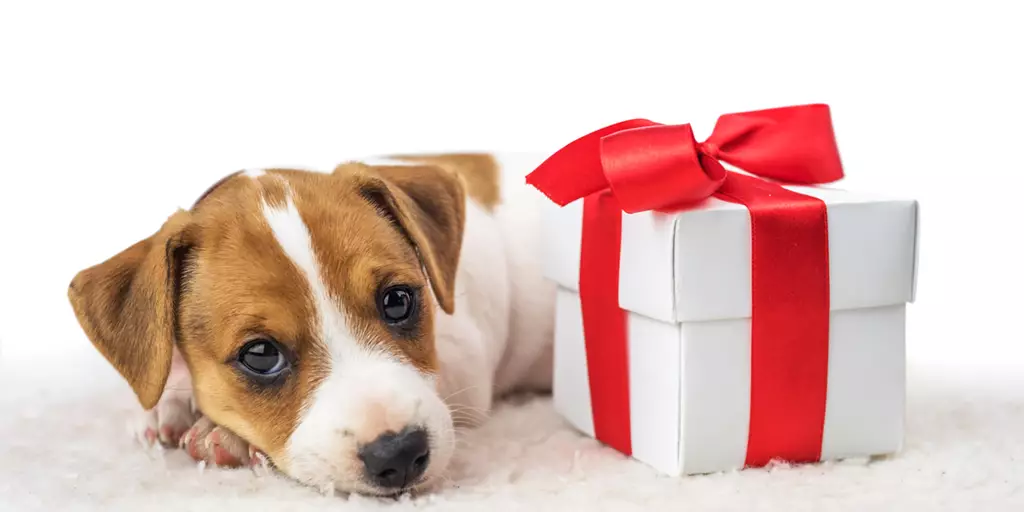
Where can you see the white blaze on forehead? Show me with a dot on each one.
(293, 236)
(254, 173)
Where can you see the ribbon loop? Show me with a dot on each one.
(652, 166)
(657, 167)
(788, 144)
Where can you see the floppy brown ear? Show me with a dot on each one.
(428, 204)
(126, 307)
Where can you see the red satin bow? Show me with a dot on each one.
(640, 165)
(652, 166)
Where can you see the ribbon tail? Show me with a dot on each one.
(604, 322)
(789, 320)
(576, 171)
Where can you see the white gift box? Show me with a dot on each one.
(685, 280)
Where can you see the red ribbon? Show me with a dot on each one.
(640, 165)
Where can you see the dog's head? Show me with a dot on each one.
(303, 304)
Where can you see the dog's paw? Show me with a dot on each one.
(209, 443)
(165, 423)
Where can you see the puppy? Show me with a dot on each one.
(341, 324)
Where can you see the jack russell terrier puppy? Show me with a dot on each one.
(335, 323)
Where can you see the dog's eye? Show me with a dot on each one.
(262, 358)
(396, 304)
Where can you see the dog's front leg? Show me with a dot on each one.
(175, 422)
(173, 415)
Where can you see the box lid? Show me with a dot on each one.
(695, 265)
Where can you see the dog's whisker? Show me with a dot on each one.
(467, 409)
(466, 425)
(461, 419)
(463, 390)
(462, 424)
(469, 417)
(467, 406)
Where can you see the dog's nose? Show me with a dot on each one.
(394, 461)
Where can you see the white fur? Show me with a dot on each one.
(526, 362)
(366, 393)
(470, 342)
(499, 339)
(254, 173)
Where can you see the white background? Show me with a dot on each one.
(114, 114)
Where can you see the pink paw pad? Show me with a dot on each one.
(169, 435)
(222, 457)
(191, 444)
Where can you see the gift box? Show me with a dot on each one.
(711, 319)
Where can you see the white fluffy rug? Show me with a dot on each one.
(63, 446)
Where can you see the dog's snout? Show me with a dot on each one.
(394, 461)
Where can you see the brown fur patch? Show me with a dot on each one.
(479, 171)
(427, 205)
(125, 305)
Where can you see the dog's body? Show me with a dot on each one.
(284, 306)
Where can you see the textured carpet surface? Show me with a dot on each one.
(64, 446)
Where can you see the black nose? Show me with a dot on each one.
(396, 460)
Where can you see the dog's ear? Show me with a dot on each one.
(126, 306)
(428, 205)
